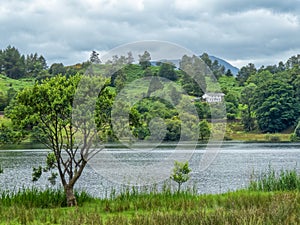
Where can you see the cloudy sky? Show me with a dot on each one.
(239, 31)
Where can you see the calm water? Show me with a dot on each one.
(230, 170)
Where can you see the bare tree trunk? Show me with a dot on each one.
(71, 199)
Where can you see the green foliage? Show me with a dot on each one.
(167, 71)
(245, 72)
(57, 68)
(155, 84)
(144, 60)
(153, 107)
(174, 127)
(1, 169)
(248, 115)
(13, 63)
(204, 131)
(35, 65)
(275, 105)
(50, 166)
(217, 69)
(285, 180)
(16, 66)
(3, 101)
(296, 135)
(180, 173)
(47, 109)
(193, 71)
(8, 135)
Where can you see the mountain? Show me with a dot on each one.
(227, 65)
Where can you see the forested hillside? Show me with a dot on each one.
(259, 100)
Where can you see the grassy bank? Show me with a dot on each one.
(242, 207)
(235, 132)
(271, 198)
(258, 137)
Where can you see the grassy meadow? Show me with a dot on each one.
(7, 83)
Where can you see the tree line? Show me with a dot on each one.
(270, 96)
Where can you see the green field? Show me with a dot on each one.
(6, 83)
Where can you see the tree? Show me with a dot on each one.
(166, 70)
(130, 58)
(193, 71)
(94, 58)
(8, 135)
(293, 61)
(217, 69)
(296, 135)
(275, 105)
(228, 73)
(248, 115)
(35, 65)
(204, 131)
(13, 63)
(181, 173)
(206, 59)
(46, 108)
(144, 60)
(232, 103)
(245, 72)
(57, 68)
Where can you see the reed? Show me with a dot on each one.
(270, 180)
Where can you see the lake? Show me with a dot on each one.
(230, 170)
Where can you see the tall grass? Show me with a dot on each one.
(150, 205)
(284, 180)
(242, 207)
(35, 198)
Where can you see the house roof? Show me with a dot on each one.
(211, 94)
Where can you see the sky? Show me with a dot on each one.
(262, 32)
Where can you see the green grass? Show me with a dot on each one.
(7, 83)
(241, 207)
(34, 198)
(149, 206)
(258, 137)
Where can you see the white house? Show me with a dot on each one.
(213, 97)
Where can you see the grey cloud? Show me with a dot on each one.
(234, 30)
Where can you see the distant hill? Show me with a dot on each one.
(227, 65)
